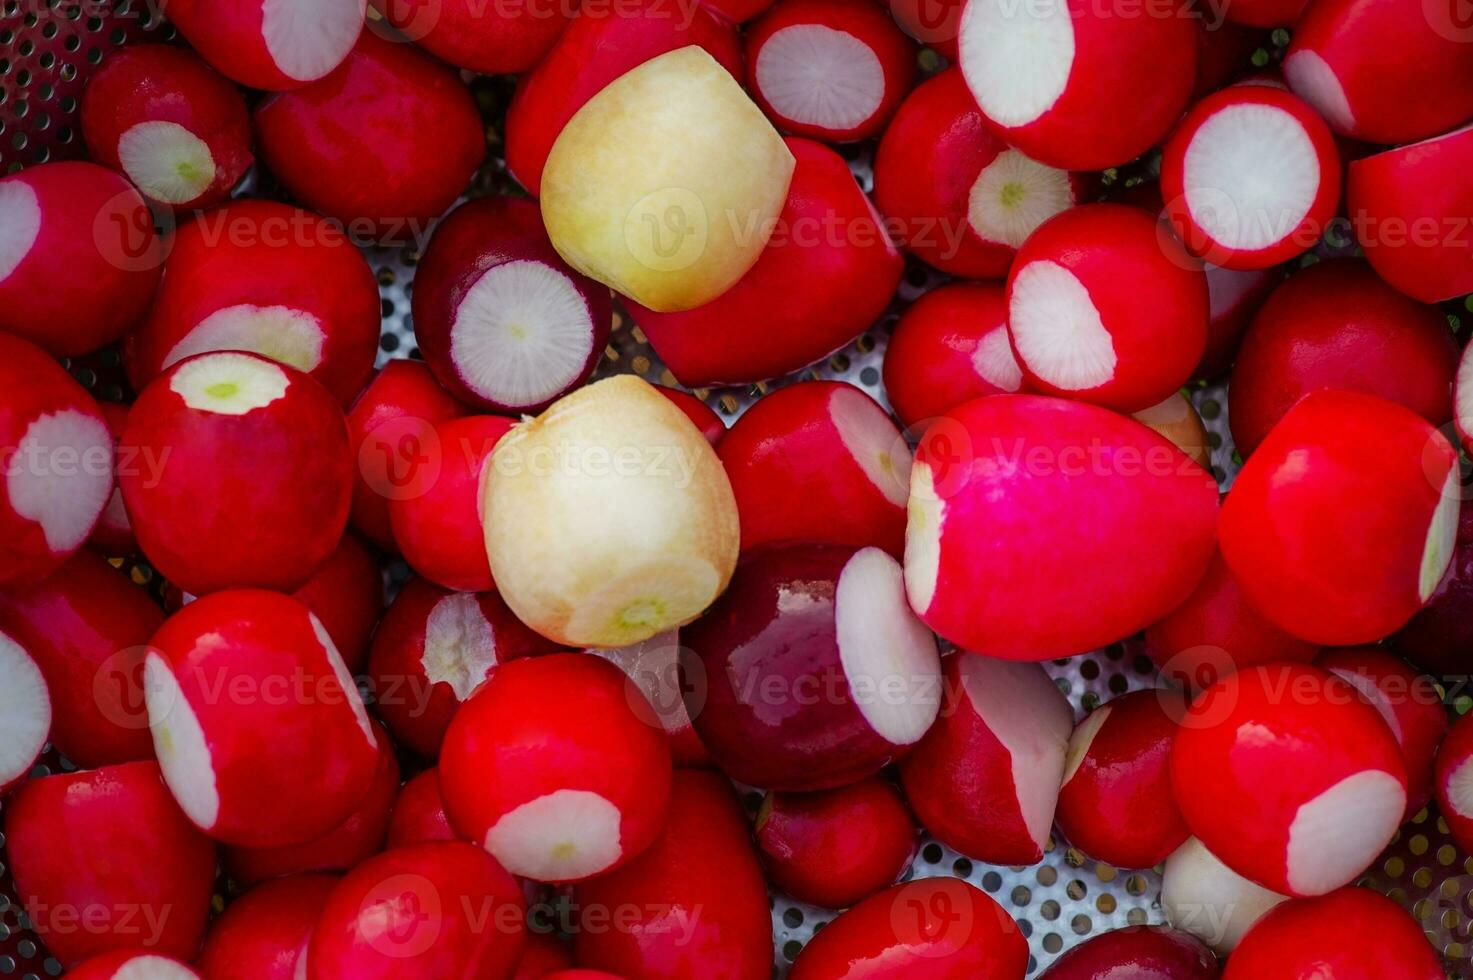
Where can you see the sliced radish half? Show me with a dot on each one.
(166, 161)
(1017, 59)
(226, 383)
(563, 836)
(460, 649)
(25, 711)
(60, 476)
(20, 224)
(309, 38)
(1057, 329)
(1014, 195)
(179, 742)
(282, 333)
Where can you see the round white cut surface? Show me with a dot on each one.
(1338, 834)
(20, 224)
(1013, 195)
(562, 836)
(1057, 329)
(166, 161)
(61, 475)
(25, 710)
(179, 742)
(280, 333)
(816, 75)
(925, 513)
(227, 383)
(874, 442)
(309, 38)
(1016, 57)
(460, 648)
(153, 968)
(994, 361)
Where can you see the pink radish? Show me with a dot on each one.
(495, 39)
(811, 693)
(74, 223)
(703, 415)
(934, 23)
(1139, 952)
(1176, 419)
(265, 278)
(1439, 637)
(1453, 780)
(654, 666)
(113, 534)
(26, 707)
(179, 131)
(347, 594)
(1391, 482)
(1203, 896)
(419, 812)
(132, 965)
(829, 69)
(1291, 779)
(262, 935)
(271, 44)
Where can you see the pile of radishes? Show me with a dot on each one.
(618, 610)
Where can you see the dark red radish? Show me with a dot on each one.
(113, 535)
(983, 199)
(179, 131)
(256, 477)
(997, 542)
(384, 144)
(831, 70)
(26, 709)
(151, 890)
(1227, 48)
(1335, 324)
(1290, 778)
(1138, 952)
(1390, 480)
(818, 461)
(443, 909)
(268, 279)
(815, 672)
(245, 693)
(1234, 296)
(700, 904)
(736, 11)
(1176, 420)
(1264, 13)
(704, 416)
(419, 812)
(271, 44)
(495, 39)
(654, 667)
(1453, 781)
(1103, 308)
(1206, 898)
(132, 965)
(830, 257)
(500, 318)
(1116, 803)
(262, 935)
(934, 23)
(931, 927)
(347, 594)
(1439, 638)
(543, 954)
(582, 975)
(985, 779)
(838, 847)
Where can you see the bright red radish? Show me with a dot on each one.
(1176, 420)
(829, 69)
(347, 594)
(235, 665)
(263, 934)
(419, 812)
(1439, 638)
(113, 535)
(265, 278)
(153, 887)
(737, 11)
(132, 965)
(812, 693)
(26, 707)
(1291, 779)
(1203, 896)
(271, 44)
(495, 39)
(544, 954)
(179, 131)
(704, 416)
(997, 543)
(654, 666)
(1389, 479)
(1138, 952)
(1453, 780)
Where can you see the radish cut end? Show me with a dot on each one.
(885, 650)
(1057, 330)
(153, 968)
(1013, 195)
(654, 593)
(818, 76)
(25, 711)
(227, 383)
(179, 742)
(1082, 739)
(1338, 834)
(345, 680)
(460, 648)
(1312, 79)
(1462, 396)
(279, 333)
(873, 441)
(61, 475)
(1460, 789)
(563, 836)
(309, 38)
(1442, 534)
(994, 362)
(924, 514)
(20, 224)
(1015, 57)
(166, 161)
(1203, 896)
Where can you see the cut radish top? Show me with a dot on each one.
(229, 383)
(345, 680)
(820, 76)
(166, 161)
(1013, 195)
(25, 710)
(1057, 329)
(1017, 58)
(460, 647)
(1323, 843)
(562, 836)
(870, 437)
(156, 968)
(60, 476)
(20, 223)
(309, 38)
(995, 362)
(1442, 534)
(1460, 788)
(279, 333)
(179, 741)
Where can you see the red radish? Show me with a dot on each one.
(1139, 952)
(984, 198)
(132, 965)
(830, 69)
(582, 975)
(433, 648)
(1203, 896)
(836, 848)
(347, 594)
(429, 910)
(816, 673)
(1291, 779)
(80, 224)
(549, 768)
(1264, 13)
(25, 706)
(701, 906)
(179, 131)
(654, 665)
(86, 625)
(496, 39)
(114, 532)
(104, 860)
(419, 813)
(1453, 780)
(1102, 307)
(391, 427)
(1116, 803)
(830, 257)
(818, 461)
(736, 11)
(263, 933)
(543, 955)
(1079, 86)
(997, 543)
(57, 460)
(265, 278)
(501, 320)
(934, 23)
(1439, 638)
(1176, 419)
(271, 44)
(1337, 325)
(931, 927)
(985, 780)
(1390, 481)
(1353, 934)
(236, 664)
(592, 52)
(1234, 297)
(384, 144)
(703, 415)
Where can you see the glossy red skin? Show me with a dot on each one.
(830, 259)
(543, 956)
(113, 535)
(416, 711)
(228, 36)
(251, 640)
(276, 481)
(97, 236)
(347, 594)
(263, 932)
(703, 415)
(419, 813)
(927, 929)
(496, 39)
(59, 828)
(932, 22)
(591, 53)
(263, 253)
(1137, 952)
(542, 724)
(384, 144)
(836, 848)
(1118, 807)
(391, 428)
(1351, 934)
(1256, 746)
(1348, 529)
(106, 967)
(1404, 204)
(86, 626)
(1455, 750)
(1335, 324)
(428, 910)
(1439, 638)
(700, 878)
(161, 83)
